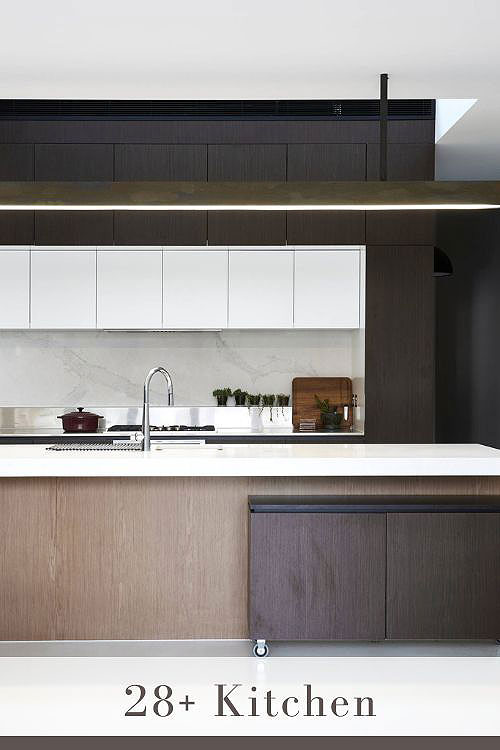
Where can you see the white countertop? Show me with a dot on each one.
(254, 460)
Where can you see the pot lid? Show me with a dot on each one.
(80, 414)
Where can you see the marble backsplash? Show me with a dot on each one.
(41, 368)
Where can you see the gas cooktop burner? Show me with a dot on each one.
(163, 428)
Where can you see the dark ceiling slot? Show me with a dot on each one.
(273, 109)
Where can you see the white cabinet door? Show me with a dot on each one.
(15, 288)
(129, 288)
(326, 289)
(195, 288)
(63, 291)
(261, 288)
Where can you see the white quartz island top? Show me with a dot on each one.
(254, 460)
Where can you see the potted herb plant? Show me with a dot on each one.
(268, 400)
(253, 399)
(222, 395)
(282, 400)
(330, 417)
(239, 397)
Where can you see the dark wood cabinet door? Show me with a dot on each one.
(247, 227)
(74, 227)
(160, 228)
(326, 227)
(73, 161)
(247, 162)
(16, 161)
(160, 162)
(17, 227)
(326, 161)
(405, 161)
(443, 575)
(399, 345)
(400, 227)
(317, 576)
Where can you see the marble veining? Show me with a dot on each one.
(43, 368)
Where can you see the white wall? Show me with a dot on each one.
(102, 368)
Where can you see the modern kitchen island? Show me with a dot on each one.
(104, 545)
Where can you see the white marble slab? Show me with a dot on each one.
(255, 460)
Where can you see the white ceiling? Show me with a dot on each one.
(266, 49)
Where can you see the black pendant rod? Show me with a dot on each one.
(384, 112)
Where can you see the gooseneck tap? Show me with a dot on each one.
(146, 428)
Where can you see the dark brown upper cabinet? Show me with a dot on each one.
(400, 227)
(160, 228)
(16, 161)
(246, 227)
(326, 227)
(17, 227)
(405, 161)
(74, 227)
(160, 162)
(326, 161)
(247, 162)
(74, 161)
(443, 575)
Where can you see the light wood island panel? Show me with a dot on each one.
(149, 558)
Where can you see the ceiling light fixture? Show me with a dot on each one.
(248, 196)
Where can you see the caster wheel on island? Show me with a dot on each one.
(260, 649)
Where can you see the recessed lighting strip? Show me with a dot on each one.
(224, 207)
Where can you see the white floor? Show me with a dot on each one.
(243, 648)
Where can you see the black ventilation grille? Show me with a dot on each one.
(321, 109)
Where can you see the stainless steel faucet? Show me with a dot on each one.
(146, 428)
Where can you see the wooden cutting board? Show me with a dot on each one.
(337, 390)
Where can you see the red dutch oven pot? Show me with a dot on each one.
(80, 421)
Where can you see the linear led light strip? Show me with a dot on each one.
(303, 207)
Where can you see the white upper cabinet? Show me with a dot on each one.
(129, 288)
(260, 288)
(195, 288)
(14, 288)
(63, 288)
(326, 288)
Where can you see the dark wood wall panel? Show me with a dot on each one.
(16, 161)
(247, 227)
(442, 575)
(236, 131)
(405, 161)
(399, 344)
(326, 227)
(247, 162)
(400, 227)
(73, 161)
(17, 227)
(160, 228)
(74, 227)
(327, 161)
(160, 162)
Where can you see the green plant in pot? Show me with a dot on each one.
(268, 400)
(222, 395)
(282, 400)
(330, 417)
(240, 397)
(253, 399)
